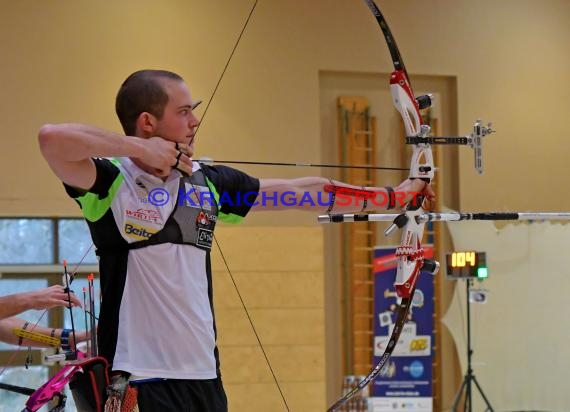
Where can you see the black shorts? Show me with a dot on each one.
(173, 395)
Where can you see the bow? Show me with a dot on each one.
(409, 253)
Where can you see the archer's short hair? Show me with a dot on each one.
(142, 92)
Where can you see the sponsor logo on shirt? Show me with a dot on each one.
(205, 237)
(144, 215)
(204, 219)
(138, 232)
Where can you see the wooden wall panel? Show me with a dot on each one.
(269, 289)
(266, 249)
(301, 396)
(280, 274)
(274, 326)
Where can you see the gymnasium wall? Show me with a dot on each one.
(63, 61)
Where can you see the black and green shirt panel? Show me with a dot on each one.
(110, 216)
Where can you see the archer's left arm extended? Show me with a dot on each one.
(320, 194)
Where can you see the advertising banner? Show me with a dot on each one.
(405, 383)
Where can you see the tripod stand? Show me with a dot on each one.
(469, 376)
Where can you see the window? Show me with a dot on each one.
(74, 242)
(31, 255)
(41, 241)
(33, 377)
(26, 241)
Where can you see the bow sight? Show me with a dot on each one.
(473, 140)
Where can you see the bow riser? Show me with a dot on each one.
(421, 167)
(422, 170)
(409, 109)
(405, 102)
(410, 257)
(404, 290)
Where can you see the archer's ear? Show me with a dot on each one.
(146, 124)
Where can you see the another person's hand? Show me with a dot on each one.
(51, 297)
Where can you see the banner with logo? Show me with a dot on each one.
(405, 383)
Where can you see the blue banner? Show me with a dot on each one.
(405, 383)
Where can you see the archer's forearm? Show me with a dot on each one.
(75, 142)
(319, 194)
(11, 305)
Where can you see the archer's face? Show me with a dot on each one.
(178, 122)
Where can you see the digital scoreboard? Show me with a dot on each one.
(466, 264)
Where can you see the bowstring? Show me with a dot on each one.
(216, 87)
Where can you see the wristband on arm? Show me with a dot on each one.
(21, 339)
(65, 339)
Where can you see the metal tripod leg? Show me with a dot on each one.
(468, 404)
(459, 392)
(489, 407)
(469, 377)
